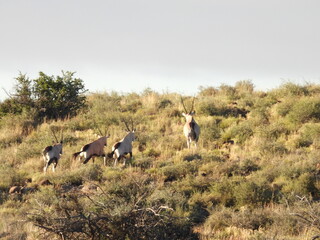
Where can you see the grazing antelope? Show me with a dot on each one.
(93, 149)
(124, 146)
(51, 154)
(191, 129)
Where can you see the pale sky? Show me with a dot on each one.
(167, 45)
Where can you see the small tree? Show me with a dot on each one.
(21, 99)
(59, 97)
(48, 96)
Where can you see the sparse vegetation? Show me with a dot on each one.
(254, 175)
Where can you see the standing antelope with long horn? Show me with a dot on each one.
(124, 146)
(93, 149)
(51, 154)
(191, 129)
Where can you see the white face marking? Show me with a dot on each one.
(188, 117)
(83, 155)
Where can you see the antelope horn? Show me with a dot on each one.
(95, 123)
(192, 104)
(125, 123)
(131, 124)
(61, 135)
(54, 135)
(100, 131)
(185, 109)
(106, 131)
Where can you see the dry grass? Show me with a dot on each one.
(270, 157)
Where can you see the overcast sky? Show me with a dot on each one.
(170, 45)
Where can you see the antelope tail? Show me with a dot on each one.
(75, 155)
(115, 147)
(110, 155)
(47, 149)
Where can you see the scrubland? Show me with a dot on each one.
(254, 174)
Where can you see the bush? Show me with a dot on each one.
(309, 134)
(248, 193)
(51, 97)
(120, 211)
(306, 109)
(244, 87)
(292, 89)
(240, 132)
(285, 107)
(304, 185)
(223, 192)
(178, 171)
(164, 103)
(9, 177)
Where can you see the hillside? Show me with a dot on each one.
(254, 174)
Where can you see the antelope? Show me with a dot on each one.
(51, 154)
(124, 146)
(93, 149)
(191, 129)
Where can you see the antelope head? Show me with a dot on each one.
(103, 134)
(128, 130)
(188, 114)
(57, 141)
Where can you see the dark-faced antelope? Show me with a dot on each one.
(191, 129)
(51, 154)
(93, 149)
(124, 146)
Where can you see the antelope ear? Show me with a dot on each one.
(183, 114)
(193, 113)
(133, 130)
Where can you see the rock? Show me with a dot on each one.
(26, 190)
(89, 188)
(28, 180)
(14, 189)
(45, 182)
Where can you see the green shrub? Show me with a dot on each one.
(253, 219)
(223, 192)
(271, 147)
(164, 103)
(247, 166)
(212, 132)
(306, 109)
(304, 185)
(292, 89)
(208, 108)
(178, 170)
(228, 91)
(248, 193)
(309, 133)
(273, 131)
(48, 96)
(285, 107)
(150, 152)
(240, 132)
(244, 87)
(10, 177)
(143, 163)
(207, 91)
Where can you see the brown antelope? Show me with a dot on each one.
(93, 149)
(51, 154)
(191, 129)
(124, 146)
